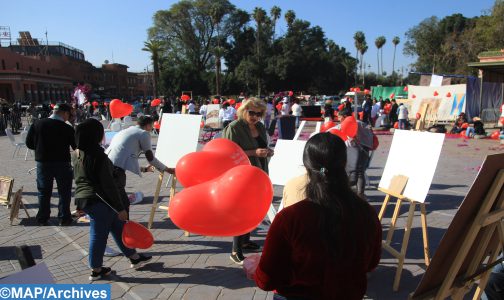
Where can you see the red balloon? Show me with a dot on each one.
(155, 102)
(202, 124)
(326, 126)
(361, 115)
(95, 104)
(230, 205)
(464, 126)
(352, 89)
(396, 125)
(392, 96)
(356, 89)
(53, 105)
(106, 103)
(341, 106)
(349, 126)
(232, 101)
(495, 135)
(413, 96)
(135, 235)
(501, 120)
(118, 109)
(217, 157)
(157, 125)
(405, 88)
(339, 133)
(366, 91)
(448, 95)
(185, 97)
(463, 133)
(238, 105)
(418, 116)
(436, 93)
(279, 106)
(291, 93)
(376, 142)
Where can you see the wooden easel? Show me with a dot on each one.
(485, 237)
(156, 197)
(17, 202)
(420, 124)
(396, 188)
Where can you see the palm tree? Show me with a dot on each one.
(275, 13)
(290, 16)
(359, 40)
(362, 51)
(395, 41)
(379, 42)
(155, 47)
(217, 13)
(259, 16)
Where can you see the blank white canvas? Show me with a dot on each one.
(178, 136)
(415, 155)
(287, 162)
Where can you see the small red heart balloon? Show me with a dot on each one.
(392, 96)
(118, 109)
(405, 88)
(216, 157)
(291, 93)
(230, 205)
(436, 93)
(157, 125)
(185, 97)
(396, 125)
(135, 235)
(448, 95)
(501, 120)
(349, 126)
(215, 101)
(326, 126)
(495, 135)
(413, 96)
(339, 133)
(418, 116)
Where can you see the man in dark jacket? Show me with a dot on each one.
(51, 138)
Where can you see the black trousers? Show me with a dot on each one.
(120, 181)
(238, 241)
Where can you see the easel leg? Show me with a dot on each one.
(391, 230)
(155, 201)
(407, 232)
(24, 207)
(423, 217)
(384, 207)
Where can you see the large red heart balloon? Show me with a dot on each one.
(495, 135)
(339, 133)
(216, 157)
(230, 205)
(349, 126)
(185, 97)
(155, 102)
(135, 235)
(327, 125)
(118, 109)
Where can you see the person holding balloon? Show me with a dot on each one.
(98, 196)
(323, 246)
(250, 135)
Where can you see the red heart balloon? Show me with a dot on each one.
(396, 125)
(155, 102)
(135, 235)
(418, 116)
(291, 93)
(326, 126)
(216, 157)
(118, 109)
(448, 95)
(230, 205)
(414, 96)
(349, 126)
(501, 120)
(436, 93)
(339, 133)
(185, 97)
(495, 135)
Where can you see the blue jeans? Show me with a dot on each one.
(46, 173)
(469, 131)
(103, 220)
(402, 123)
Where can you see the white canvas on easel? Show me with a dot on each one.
(178, 136)
(413, 154)
(287, 162)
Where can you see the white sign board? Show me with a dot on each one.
(38, 274)
(415, 155)
(287, 162)
(178, 136)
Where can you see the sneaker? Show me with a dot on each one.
(99, 275)
(250, 246)
(237, 258)
(140, 261)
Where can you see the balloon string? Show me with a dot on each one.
(106, 203)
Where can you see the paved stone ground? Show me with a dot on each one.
(198, 267)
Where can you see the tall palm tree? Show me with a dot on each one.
(259, 16)
(379, 42)
(359, 40)
(154, 47)
(362, 51)
(290, 16)
(395, 41)
(217, 13)
(275, 13)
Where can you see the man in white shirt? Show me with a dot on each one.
(285, 107)
(203, 109)
(227, 114)
(296, 111)
(124, 150)
(402, 115)
(374, 111)
(191, 108)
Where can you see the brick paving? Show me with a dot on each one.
(198, 267)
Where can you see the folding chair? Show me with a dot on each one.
(17, 145)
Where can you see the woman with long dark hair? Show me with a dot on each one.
(322, 247)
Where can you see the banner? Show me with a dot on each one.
(386, 91)
(445, 102)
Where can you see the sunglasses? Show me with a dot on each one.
(255, 113)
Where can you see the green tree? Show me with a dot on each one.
(363, 51)
(379, 42)
(396, 42)
(155, 48)
(275, 13)
(260, 18)
(290, 16)
(359, 40)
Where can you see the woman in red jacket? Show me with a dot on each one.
(322, 247)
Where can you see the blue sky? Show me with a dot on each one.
(115, 30)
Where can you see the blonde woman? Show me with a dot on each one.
(250, 134)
